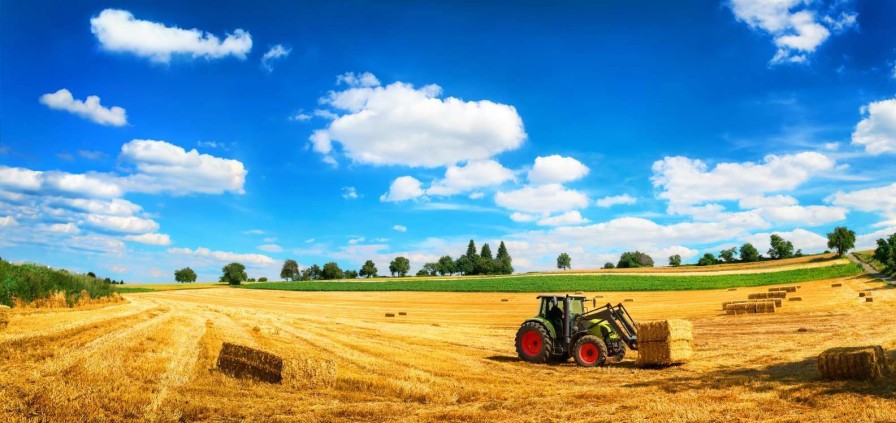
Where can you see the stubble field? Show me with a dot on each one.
(450, 358)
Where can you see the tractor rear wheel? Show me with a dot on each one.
(533, 343)
(590, 351)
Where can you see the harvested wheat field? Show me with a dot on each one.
(450, 358)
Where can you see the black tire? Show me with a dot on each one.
(590, 351)
(533, 343)
(616, 358)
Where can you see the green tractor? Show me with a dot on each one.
(564, 328)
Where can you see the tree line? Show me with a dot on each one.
(840, 239)
(472, 263)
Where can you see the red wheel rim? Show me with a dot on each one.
(531, 343)
(589, 353)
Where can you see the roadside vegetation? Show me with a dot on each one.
(575, 282)
(22, 284)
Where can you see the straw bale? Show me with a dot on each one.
(853, 363)
(248, 363)
(774, 289)
(758, 296)
(664, 353)
(402, 313)
(390, 314)
(861, 294)
(309, 373)
(869, 299)
(836, 285)
(664, 330)
(628, 300)
(504, 300)
(795, 299)
(789, 289)
(4, 316)
(779, 294)
(732, 289)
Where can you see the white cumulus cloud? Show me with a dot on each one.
(612, 200)
(150, 239)
(473, 175)
(398, 124)
(877, 130)
(89, 109)
(165, 167)
(222, 256)
(564, 219)
(276, 52)
(556, 169)
(126, 224)
(400, 228)
(403, 188)
(545, 199)
(878, 199)
(119, 31)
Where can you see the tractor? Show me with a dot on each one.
(564, 328)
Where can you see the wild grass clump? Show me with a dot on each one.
(36, 285)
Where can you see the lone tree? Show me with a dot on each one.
(368, 270)
(675, 260)
(749, 253)
(234, 274)
(290, 270)
(400, 266)
(634, 259)
(564, 262)
(707, 260)
(781, 248)
(331, 271)
(728, 255)
(842, 240)
(609, 265)
(886, 254)
(504, 263)
(184, 275)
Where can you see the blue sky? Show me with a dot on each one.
(138, 137)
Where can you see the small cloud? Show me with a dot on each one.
(65, 156)
(271, 248)
(92, 155)
(300, 117)
(613, 200)
(403, 188)
(522, 217)
(400, 228)
(254, 232)
(309, 240)
(831, 146)
(151, 239)
(90, 108)
(354, 241)
(477, 195)
(351, 79)
(349, 193)
(8, 221)
(270, 239)
(276, 52)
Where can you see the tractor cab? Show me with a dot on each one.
(564, 327)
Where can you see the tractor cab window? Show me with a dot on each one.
(576, 307)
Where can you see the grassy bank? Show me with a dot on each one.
(30, 282)
(867, 257)
(564, 283)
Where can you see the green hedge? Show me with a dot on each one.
(29, 282)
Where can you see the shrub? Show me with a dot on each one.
(30, 282)
(634, 259)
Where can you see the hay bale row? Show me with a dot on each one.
(4, 316)
(750, 307)
(775, 301)
(664, 342)
(783, 289)
(853, 363)
(249, 363)
(767, 295)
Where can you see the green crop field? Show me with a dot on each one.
(563, 283)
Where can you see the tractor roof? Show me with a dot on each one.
(561, 296)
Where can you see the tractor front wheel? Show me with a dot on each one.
(533, 343)
(590, 351)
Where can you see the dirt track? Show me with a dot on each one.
(450, 358)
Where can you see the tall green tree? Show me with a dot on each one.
(886, 254)
(290, 270)
(707, 259)
(728, 255)
(749, 253)
(483, 266)
(445, 266)
(564, 262)
(400, 266)
(505, 262)
(351, 274)
(464, 265)
(842, 240)
(430, 269)
(368, 270)
(331, 271)
(631, 259)
(780, 248)
(471, 251)
(486, 252)
(311, 273)
(675, 260)
(234, 274)
(184, 275)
